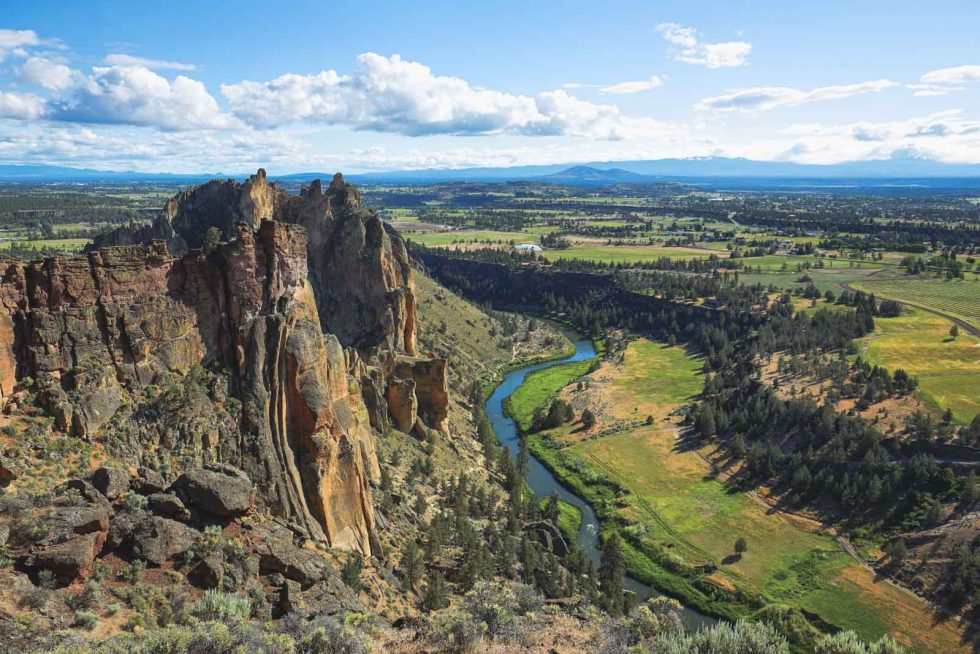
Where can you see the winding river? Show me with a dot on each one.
(543, 482)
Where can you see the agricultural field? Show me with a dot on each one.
(957, 298)
(614, 254)
(465, 237)
(673, 502)
(948, 369)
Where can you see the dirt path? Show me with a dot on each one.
(974, 331)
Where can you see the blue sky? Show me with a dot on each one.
(294, 86)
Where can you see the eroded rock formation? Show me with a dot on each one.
(276, 353)
(99, 331)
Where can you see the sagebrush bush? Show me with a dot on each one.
(219, 606)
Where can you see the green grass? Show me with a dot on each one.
(625, 253)
(569, 519)
(674, 518)
(826, 279)
(948, 369)
(448, 239)
(959, 298)
(539, 386)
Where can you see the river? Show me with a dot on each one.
(543, 482)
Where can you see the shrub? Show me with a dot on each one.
(326, 635)
(85, 620)
(218, 606)
(135, 503)
(133, 573)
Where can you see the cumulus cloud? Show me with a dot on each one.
(155, 64)
(389, 94)
(765, 98)
(49, 74)
(955, 75)
(690, 49)
(16, 42)
(135, 95)
(21, 106)
(944, 136)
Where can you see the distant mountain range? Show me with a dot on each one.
(591, 173)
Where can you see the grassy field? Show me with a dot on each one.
(959, 298)
(539, 386)
(683, 518)
(826, 279)
(447, 239)
(948, 369)
(626, 253)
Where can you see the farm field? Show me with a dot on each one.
(674, 502)
(825, 279)
(958, 298)
(457, 237)
(948, 369)
(626, 253)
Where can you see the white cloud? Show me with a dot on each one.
(635, 86)
(927, 90)
(16, 42)
(955, 75)
(389, 94)
(764, 98)
(156, 64)
(944, 136)
(135, 95)
(621, 88)
(692, 50)
(52, 75)
(21, 106)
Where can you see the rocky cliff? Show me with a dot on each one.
(277, 351)
(358, 266)
(99, 335)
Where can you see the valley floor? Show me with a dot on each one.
(675, 504)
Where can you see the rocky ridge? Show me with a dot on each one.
(276, 352)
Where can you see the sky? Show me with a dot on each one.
(297, 86)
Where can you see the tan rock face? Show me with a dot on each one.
(93, 330)
(358, 267)
(312, 296)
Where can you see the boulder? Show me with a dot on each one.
(277, 555)
(209, 571)
(219, 490)
(68, 560)
(9, 471)
(157, 540)
(169, 506)
(111, 482)
(148, 481)
(121, 530)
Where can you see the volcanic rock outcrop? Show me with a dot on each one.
(276, 352)
(358, 266)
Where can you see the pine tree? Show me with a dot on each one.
(436, 596)
(411, 564)
(552, 508)
(612, 571)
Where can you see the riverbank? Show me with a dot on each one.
(679, 524)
